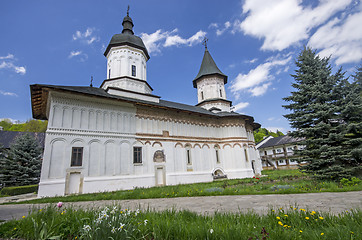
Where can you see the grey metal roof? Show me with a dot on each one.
(278, 141)
(7, 138)
(208, 67)
(127, 37)
(93, 91)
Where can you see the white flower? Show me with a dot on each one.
(86, 228)
(113, 230)
(145, 222)
(211, 230)
(121, 226)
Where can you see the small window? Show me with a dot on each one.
(279, 150)
(246, 155)
(109, 73)
(220, 93)
(188, 155)
(133, 70)
(202, 95)
(137, 154)
(77, 156)
(217, 156)
(281, 161)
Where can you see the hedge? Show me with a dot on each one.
(12, 191)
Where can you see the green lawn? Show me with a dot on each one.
(275, 182)
(117, 223)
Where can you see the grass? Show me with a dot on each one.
(275, 182)
(117, 223)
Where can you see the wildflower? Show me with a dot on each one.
(14, 228)
(121, 225)
(280, 223)
(300, 231)
(321, 218)
(312, 213)
(295, 208)
(23, 216)
(59, 204)
(86, 228)
(273, 210)
(351, 232)
(307, 218)
(278, 218)
(285, 226)
(211, 230)
(145, 222)
(285, 215)
(40, 210)
(302, 209)
(113, 230)
(322, 234)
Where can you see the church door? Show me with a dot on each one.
(160, 175)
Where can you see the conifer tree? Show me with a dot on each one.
(23, 163)
(319, 115)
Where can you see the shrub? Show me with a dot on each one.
(12, 191)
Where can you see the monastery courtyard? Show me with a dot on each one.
(332, 202)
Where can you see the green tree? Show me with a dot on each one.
(23, 163)
(6, 124)
(317, 113)
(260, 133)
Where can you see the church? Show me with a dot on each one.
(121, 136)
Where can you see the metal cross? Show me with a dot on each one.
(91, 81)
(128, 11)
(204, 42)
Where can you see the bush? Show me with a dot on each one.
(12, 191)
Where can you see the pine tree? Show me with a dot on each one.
(318, 115)
(23, 163)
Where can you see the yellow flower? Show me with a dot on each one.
(285, 226)
(321, 218)
(280, 223)
(273, 211)
(307, 218)
(300, 231)
(14, 228)
(322, 234)
(285, 215)
(351, 232)
(278, 218)
(295, 208)
(23, 216)
(40, 210)
(302, 209)
(313, 212)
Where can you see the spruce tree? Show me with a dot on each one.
(317, 113)
(23, 164)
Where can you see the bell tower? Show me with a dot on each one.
(127, 58)
(210, 83)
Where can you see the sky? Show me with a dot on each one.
(254, 42)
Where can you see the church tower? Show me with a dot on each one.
(210, 83)
(127, 58)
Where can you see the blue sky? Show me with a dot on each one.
(254, 42)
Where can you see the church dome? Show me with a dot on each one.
(127, 37)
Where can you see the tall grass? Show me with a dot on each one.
(117, 223)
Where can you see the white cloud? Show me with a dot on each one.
(340, 38)
(82, 56)
(8, 63)
(240, 106)
(220, 31)
(155, 41)
(86, 37)
(74, 53)
(271, 118)
(8, 93)
(251, 61)
(275, 129)
(213, 25)
(282, 23)
(258, 80)
(9, 56)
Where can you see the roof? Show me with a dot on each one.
(7, 138)
(282, 140)
(127, 37)
(208, 67)
(39, 97)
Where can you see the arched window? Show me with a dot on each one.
(217, 153)
(188, 155)
(133, 70)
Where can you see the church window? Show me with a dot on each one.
(137, 154)
(246, 154)
(217, 154)
(220, 93)
(77, 156)
(109, 73)
(133, 70)
(202, 95)
(188, 155)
